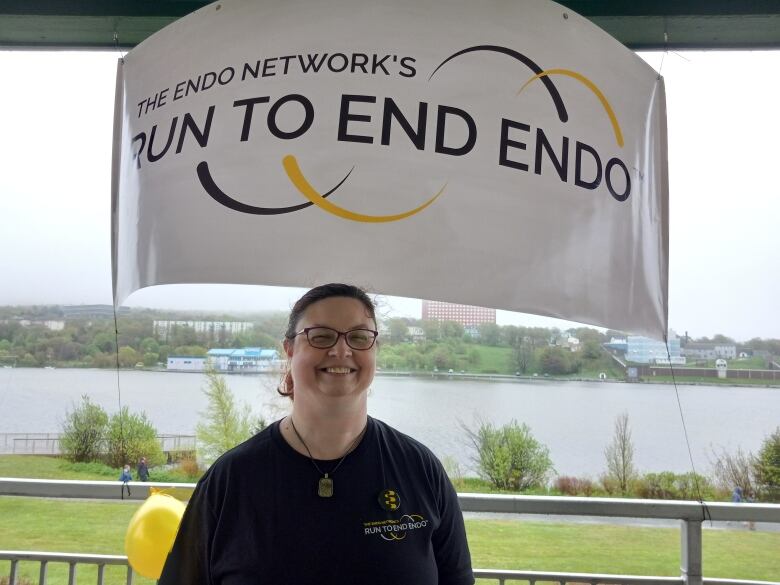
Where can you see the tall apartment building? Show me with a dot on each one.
(466, 315)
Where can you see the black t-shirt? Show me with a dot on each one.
(255, 518)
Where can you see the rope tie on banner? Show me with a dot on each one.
(705, 511)
(664, 53)
(116, 46)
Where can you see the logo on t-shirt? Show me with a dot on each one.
(390, 529)
(389, 500)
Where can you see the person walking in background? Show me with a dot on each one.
(143, 470)
(124, 478)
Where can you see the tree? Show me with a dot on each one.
(451, 330)
(591, 350)
(150, 345)
(489, 333)
(523, 354)
(511, 335)
(737, 470)
(398, 329)
(223, 424)
(84, 431)
(432, 330)
(131, 436)
(620, 454)
(510, 457)
(193, 350)
(128, 357)
(768, 467)
(443, 358)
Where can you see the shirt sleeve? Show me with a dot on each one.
(189, 561)
(450, 546)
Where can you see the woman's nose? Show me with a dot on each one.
(341, 348)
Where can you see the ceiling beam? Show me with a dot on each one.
(640, 24)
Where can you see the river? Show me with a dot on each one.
(574, 419)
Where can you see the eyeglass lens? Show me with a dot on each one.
(324, 337)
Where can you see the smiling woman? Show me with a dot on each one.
(327, 494)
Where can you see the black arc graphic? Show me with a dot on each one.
(206, 180)
(563, 115)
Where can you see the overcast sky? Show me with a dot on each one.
(55, 163)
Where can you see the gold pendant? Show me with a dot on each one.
(325, 487)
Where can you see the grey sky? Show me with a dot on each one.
(55, 163)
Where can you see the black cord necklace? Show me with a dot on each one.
(325, 484)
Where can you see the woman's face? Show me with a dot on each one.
(339, 370)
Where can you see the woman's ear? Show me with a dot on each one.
(288, 347)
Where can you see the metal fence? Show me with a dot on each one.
(49, 443)
(691, 516)
(72, 560)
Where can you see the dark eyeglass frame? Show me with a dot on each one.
(338, 335)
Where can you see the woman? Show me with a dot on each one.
(326, 495)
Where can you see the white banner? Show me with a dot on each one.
(503, 153)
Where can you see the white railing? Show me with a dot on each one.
(690, 514)
(72, 560)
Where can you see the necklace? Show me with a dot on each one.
(325, 484)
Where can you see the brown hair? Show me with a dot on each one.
(319, 293)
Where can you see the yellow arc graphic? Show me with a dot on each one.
(592, 87)
(295, 175)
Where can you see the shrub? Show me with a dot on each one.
(84, 431)
(223, 425)
(131, 436)
(93, 467)
(574, 486)
(509, 457)
(454, 471)
(667, 485)
(189, 466)
(556, 361)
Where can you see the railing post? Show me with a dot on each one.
(72, 573)
(690, 552)
(42, 574)
(14, 572)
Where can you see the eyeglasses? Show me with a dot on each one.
(325, 337)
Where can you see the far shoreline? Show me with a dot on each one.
(454, 376)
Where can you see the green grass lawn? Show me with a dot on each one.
(493, 360)
(99, 527)
(43, 467)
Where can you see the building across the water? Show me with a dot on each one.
(247, 360)
(644, 350)
(186, 363)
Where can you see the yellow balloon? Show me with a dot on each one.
(151, 533)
